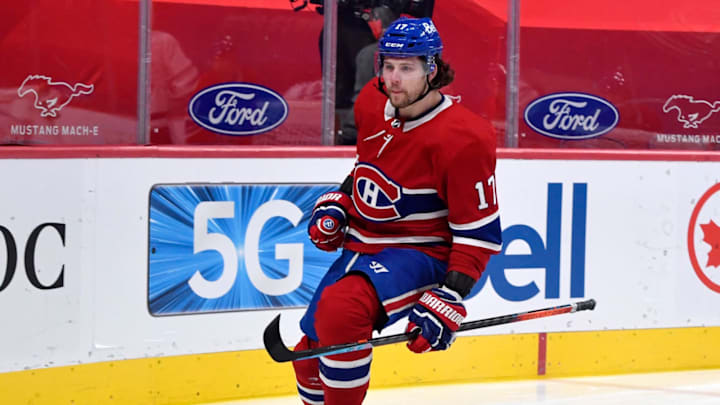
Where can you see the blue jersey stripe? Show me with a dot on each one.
(344, 374)
(489, 233)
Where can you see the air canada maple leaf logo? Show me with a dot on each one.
(704, 238)
(711, 236)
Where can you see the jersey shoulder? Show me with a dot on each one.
(459, 127)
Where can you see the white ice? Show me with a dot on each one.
(669, 388)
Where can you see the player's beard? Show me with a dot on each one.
(400, 100)
(405, 98)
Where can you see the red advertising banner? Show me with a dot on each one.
(634, 74)
(208, 56)
(69, 72)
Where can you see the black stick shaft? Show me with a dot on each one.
(280, 353)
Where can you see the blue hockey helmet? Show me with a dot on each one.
(407, 37)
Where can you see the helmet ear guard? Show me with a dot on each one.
(430, 65)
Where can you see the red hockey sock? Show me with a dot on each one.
(307, 375)
(346, 312)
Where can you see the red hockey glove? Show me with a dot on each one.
(328, 220)
(438, 314)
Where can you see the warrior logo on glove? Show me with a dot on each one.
(430, 301)
(438, 314)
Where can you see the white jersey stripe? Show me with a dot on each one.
(419, 190)
(400, 309)
(374, 136)
(346, 364)
(351, 262)
(405, 239)
(309, 390)
(477, 243)
(388, 303)
(407, 294)
(410, 125)
(476, 224)
(310, 401)
(425, 215)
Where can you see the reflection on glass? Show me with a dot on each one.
(251, 49)
(652, 66)
(173, 78)
(69, 73)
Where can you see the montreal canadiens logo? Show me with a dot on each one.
(704, 238)
(375, 196)
(571, 116)
(238, 109)
(328, 224)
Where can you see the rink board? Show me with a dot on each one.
(248, 374)
(77, 293)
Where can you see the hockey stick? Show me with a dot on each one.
(280, 353)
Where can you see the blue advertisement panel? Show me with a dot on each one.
(232, 247)
(544, 254)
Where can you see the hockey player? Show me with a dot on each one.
(417, 218)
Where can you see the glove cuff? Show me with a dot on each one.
(456, 295)
(461, 283)
(334, 198)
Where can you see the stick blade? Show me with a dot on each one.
(274, 344)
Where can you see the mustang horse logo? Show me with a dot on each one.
(50, 96)
(691, 112)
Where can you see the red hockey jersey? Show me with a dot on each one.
(426, 183)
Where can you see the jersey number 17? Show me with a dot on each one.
(480, 186)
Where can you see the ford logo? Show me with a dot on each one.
(238, 109)
(571, 116)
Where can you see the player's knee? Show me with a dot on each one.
(347, 310)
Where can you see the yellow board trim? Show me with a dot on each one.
(215, 377)
(476, 358)
(632, 351)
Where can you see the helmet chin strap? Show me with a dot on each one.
(428, 87)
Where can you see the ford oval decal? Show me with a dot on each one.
(238, 109)
(571, 116)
